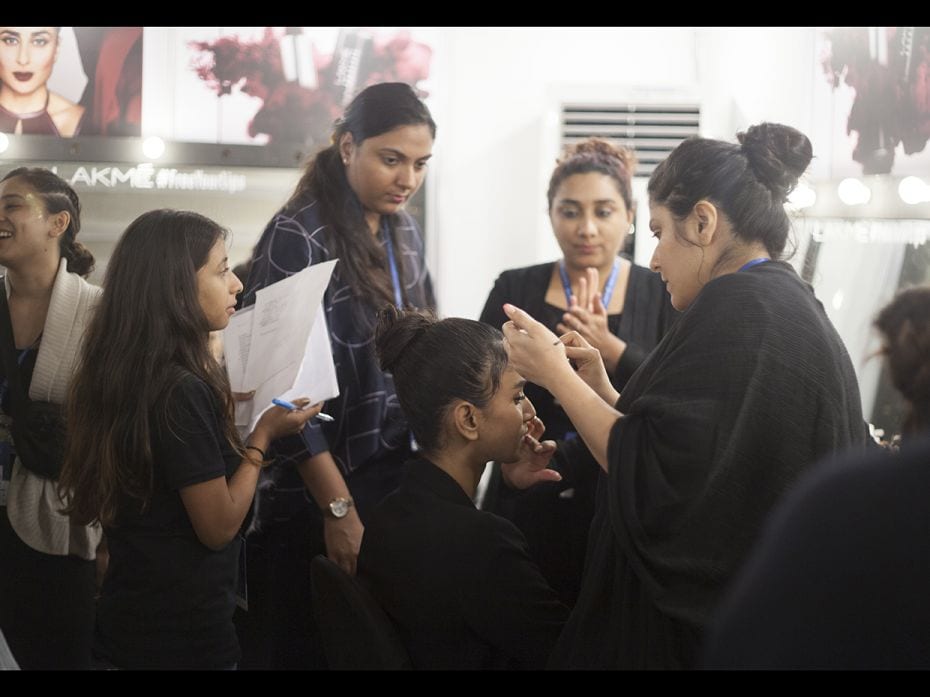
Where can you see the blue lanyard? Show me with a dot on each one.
(395, 277)
(399, 301)
(754, 262)
(608, 287)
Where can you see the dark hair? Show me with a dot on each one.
(905, 327)
(435, 362)
(58, 196)
(596, 155)
(147, 332)
(749, 182)
(375, 110)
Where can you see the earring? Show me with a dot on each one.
(632, 230)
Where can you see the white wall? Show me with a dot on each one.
(497, 140)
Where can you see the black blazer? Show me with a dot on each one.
(458, 582)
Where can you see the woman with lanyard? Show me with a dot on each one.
(749, 389)
(591, 210)
(314, 498)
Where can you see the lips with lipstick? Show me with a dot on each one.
(396, 198)
(23, 77)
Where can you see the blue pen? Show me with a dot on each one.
(293, 407)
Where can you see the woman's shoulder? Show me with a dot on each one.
(303, 214)
(295, 230)
(188, 388)
(526, 274)
(762, 283)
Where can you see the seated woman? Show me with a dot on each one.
(459, 582)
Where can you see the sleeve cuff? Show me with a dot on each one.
(631, 359)
(299, 447)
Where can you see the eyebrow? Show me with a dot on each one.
(11, 196)
(520, 384)
(597, 202)
(400, 154)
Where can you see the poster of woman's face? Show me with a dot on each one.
(67, 81)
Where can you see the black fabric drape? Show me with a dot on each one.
(750, 387)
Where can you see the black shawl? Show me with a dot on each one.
(750, 387)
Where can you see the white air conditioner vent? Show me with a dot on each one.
(651, 130)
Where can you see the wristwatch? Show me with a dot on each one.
(338, 507)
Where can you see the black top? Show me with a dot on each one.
(457, 582)
(556, 516)
(839, 579)
(748, 389)
(167, 600)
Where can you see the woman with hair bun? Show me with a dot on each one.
(750, 388)
(47, 564)
(456, 581)
(620, 308)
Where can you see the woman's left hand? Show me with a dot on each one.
(533, 465)
(534, 351)
(588, 316)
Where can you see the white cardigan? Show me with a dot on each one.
(33, 504)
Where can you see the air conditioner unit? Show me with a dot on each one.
(652, 131)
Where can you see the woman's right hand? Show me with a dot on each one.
(278, 422)
(533, 351)
(589, 366)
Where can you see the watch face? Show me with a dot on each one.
(339, 507)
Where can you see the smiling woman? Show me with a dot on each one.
(27, 105)
(47, 565)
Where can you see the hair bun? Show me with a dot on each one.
(598, 148)
(777, 154)
(396, 332)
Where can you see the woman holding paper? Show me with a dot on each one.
(314, 498)
(154, 454)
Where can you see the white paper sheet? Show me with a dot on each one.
(316, 378)
(279, 347)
